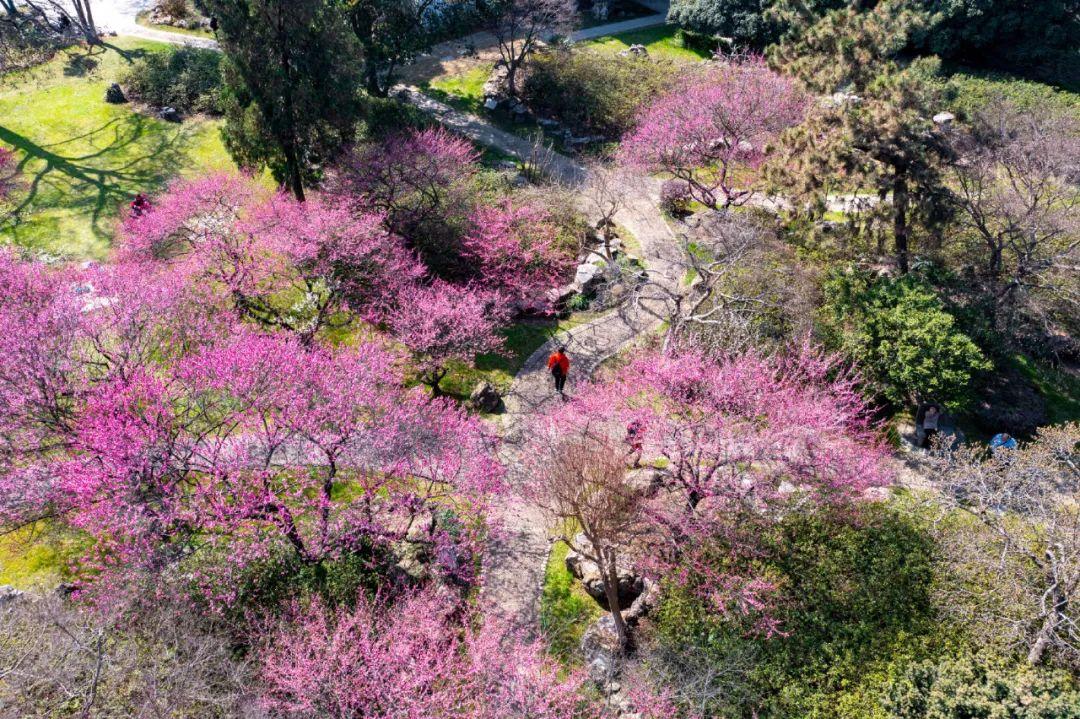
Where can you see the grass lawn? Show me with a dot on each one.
(1060, 390)
(566, 610)
(82, 159)
(966, 90)
(37, 556)
(461, 90)
(662, 41)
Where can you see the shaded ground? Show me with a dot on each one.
(82, 159)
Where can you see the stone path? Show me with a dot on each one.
(514, 569)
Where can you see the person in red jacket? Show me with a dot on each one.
(559, 364)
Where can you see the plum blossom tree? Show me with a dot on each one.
(410, 658)
(719, 120)
(240, 449)
(737, 441)
(516, 250)
(444, 323)
(261, 253)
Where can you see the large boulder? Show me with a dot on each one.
(485, 398)
(9, 594)
(115, 94)
(169, 114)
(588, 276)
(497, 86)
(601, 651)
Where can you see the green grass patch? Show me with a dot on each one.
(38, 556)
(566, 610)
(82, 159)
(662, 41)
(462, 91)
(1060, 391)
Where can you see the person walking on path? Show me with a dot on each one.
(559, 364)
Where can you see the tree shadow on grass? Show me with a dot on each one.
(129, 154)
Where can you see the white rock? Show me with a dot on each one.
(944, 118)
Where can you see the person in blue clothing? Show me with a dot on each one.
(1002, 440)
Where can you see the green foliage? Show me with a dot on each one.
(979, 686)
(1033, 37)
(746, 23)
(270, 585)
(292, 85)
(566, 610)
(594, 93)
(854, 601)
(900, 333)
(186, 78)
(666, 42)
(384, 117)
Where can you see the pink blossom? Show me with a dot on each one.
(444, 323)
(720, 118)
(516, 250)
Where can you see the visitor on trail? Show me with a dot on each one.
(930, 424)
(559, 364)
(139, 205)
(1002, 440)
(634, 432)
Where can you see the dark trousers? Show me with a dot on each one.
(560, 381)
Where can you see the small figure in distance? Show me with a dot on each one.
(140, 205)
(559, 364)
(930, 424)
(1002, 440)
(635, 441)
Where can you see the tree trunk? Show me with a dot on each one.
(292, 168)
(900, 224)
(611, 591)
(86, 21)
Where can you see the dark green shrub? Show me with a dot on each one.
(186, 78)
(594, 93)
(854, 600)
(902, 336)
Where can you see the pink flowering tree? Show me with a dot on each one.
(733, 443)
(443, 323)
(516, 250)
(281, 263)
(718, 121)
(415, 657)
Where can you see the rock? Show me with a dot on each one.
(485, 398)
(509, 165)
(169, 114)
(601, 651)
(65, 590)
(559, 297)
(630, 586)
(636, 51)
(547, 122)
(115, 94)
(491, 103)
(497, 86)
(646, 602)
(588, 276)
(944, 118)
(596, 257)
(9, 594)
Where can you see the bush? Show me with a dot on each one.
(973, 686)
(186, 78)
(592, 92)
(900, 333)
(675, 197)
(854, 599)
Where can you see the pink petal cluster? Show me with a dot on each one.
(515, 249)
(415, 658)
(719, 118)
